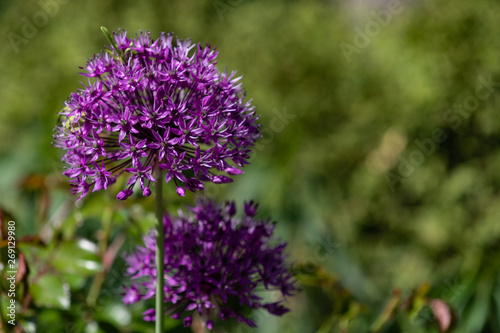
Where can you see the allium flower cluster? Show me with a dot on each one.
(155, 103)
(215, 264)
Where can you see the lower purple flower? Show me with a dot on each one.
(214, 265)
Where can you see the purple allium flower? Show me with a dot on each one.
(155, 103)
(214, 265)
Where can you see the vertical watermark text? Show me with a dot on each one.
(11, 272)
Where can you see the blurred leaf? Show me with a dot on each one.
(33, 240)
(327, 325)
(116, 314)
(33, 182)
(51, 291)
(496, 300)
(77, 257)
(418, 300)
(475, 319)
(388, 312)
(75, 282)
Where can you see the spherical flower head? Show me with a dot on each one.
(153, 104)
(214, 265)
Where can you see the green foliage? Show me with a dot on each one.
(381, 184)
(51, 292)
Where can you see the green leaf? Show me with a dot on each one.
(475, 320)
(77, 257)
(327, 325)
(496, 300)
(116, 314)
(76, 281)
(52, 292)
(112, 41)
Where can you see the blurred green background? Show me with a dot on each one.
(380, 158)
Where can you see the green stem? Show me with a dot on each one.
(388, 313)
(160, 255)
(113, 42)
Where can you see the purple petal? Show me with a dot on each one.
(149, 315)
(188, 321)
(122, 195)
(181, 191)
(233, 171)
